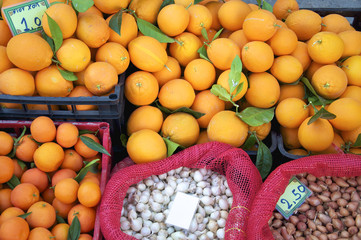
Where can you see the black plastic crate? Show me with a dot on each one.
(281, 148)
(271, 143)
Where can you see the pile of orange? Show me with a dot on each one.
(46, 162)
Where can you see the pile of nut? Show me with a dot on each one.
(147, 205)
(332, 212)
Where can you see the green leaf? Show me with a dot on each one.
(171, 146)
(86, 169)
(250, 141)
(85, 131)
(312, 90)
(93, 145)
(203, 53)
(315, 100)
(204, 33)
(217, 34)
(256, 116)
(23, 216)
(221, 92)
(74, 229)
(165, 3)
(124, 139)
(82, 5)
(16, 144)
(59, 219)
(259, 3)
(197, 1)
(49, 40)
(267, 6)
(56, 33)
(264, 160)
(182, 109)
(358, 141)
(235, 74)
(21, 164)
(67, 75)
(115, 22)
(322, 113)
(13, 182)
(238, 90)
(150, 30)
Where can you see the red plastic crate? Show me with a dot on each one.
(15, 127)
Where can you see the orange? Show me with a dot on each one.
(223, 81)
(226, 127)
(43, 129)
(335, 23)
(232, 14)
(60, 231)
(239, 38)
(203, 137)
(5, 199)
(92, 10)
(61, 174)
(93, 30)
(329, 81)
(16, 81)
(147, 54)
(287, 69)
(261, 131)
(184, 3)
(146, 146)
(283, 42)
(74, 55)
(66, 190)
(263, 91)
(336, 147)
(325, 47)
(48, 195)
(186, 51)
(64, 15)
(14, 228)
(316, 136)
(36, 177)
(72, 160)
(42, 215)
(348, 114)
(291, 112)
(111, 6)
(355, 151)
(67, 135)
(207, 103)
(351, 136)
(305, 23)
(29, 51)
(5, 63)
(40, 233)
(221, 52)
(5, 33)
(290, 137)
(250, 56)
(176, 93)
(85, 215)
(298, 152)
(7, 143)
(181, 128)
(100, 78)
(145, 9)
(200, 73)
(58, 87)
(289, 90)
(260, 25)
(115, 54)
(85, 236)
(145, 117)
(173, 19)
(352, 67)
(89, 194)
(213, 7)
(84, 150)
(24, 195)
(19, 169)
(283, 8)
(301, 53)
(165, 75)
(314, 66)
(81, 91)
(352, 43)
(352, 92)
(26, 148)
(141, 88)
(10, 212)
(128, 30)
(7, 169)
(49, 156)
(199, 17)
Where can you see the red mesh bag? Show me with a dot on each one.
(242, 176)
(338, 165)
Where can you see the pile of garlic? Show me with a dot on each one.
(147, 205)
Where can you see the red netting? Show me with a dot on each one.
(242, 176)
(338, 165)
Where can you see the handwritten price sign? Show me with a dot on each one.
(25, 17)
(293, 197)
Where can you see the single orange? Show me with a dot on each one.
(152, 115)
(66, 190)
(43, 129)
(48, 157)
(42, 215)
(7, 143)
(176, 93)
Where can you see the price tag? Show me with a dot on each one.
(26, 16)
(294, 196)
